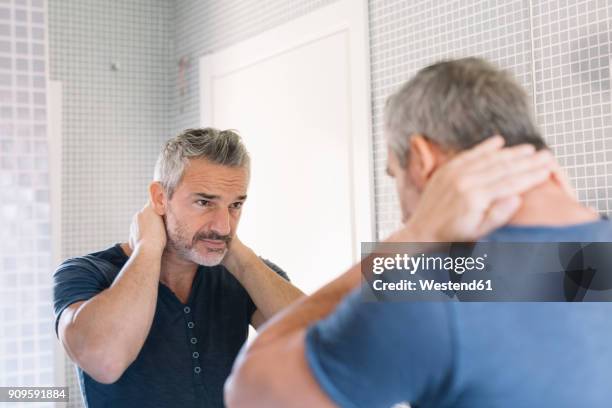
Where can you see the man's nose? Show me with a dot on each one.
(221, 222)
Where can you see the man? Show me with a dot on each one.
(158, 321)
(334, 349)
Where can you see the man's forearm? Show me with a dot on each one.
(109, 330)
(323, 302)
(269, 291)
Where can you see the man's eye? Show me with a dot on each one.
(237, 205)
(203, 203)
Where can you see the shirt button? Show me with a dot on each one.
(194, 340)
(187, 309)
(197, 370)
(196, 354)
(190, 325)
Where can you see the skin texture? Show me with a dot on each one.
(169, 238)
(444, 197)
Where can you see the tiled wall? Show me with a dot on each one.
(26, 330)
(559, 50)
(113, 60)
(572, 47)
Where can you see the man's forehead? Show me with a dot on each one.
(204, 176)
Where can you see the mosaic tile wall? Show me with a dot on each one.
(26, 331)
(559, 50)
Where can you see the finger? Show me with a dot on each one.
(503, 171)
(501, 157)
(517, 184)
(499, 214)
(490, 144)
(507, 155)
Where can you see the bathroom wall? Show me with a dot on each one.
(559, 50)
(26, 328)
(113, 59)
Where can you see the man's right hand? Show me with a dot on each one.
(148, 229)
(477, 191)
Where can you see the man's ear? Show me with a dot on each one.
(157, 195)
(425, 158)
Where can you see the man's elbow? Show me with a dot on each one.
(106, 372)
(249, 385)
(103, 365)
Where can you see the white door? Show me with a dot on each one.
(299, 96)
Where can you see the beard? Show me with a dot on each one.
(194, 249)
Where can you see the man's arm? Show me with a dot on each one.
(471, 195)
(104, 334)
(268, 290)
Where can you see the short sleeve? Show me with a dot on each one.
(79, 279)
(376, 354)
(251, 308)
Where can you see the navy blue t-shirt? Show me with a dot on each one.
(448, 354)
(190, 348)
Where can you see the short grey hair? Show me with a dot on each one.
(457, 104)
(222, 147)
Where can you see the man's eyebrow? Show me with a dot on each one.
(207, 196)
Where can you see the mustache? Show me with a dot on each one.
(212, 236)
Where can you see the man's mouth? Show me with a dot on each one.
(214, 243)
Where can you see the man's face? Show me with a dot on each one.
(203, 214)
(407, 190)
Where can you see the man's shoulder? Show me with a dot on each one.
(596, 231)
(106, 262)
(276, 268)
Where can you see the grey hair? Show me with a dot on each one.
(457, 104)
(222, 147)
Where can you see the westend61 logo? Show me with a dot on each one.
(487, 271)
(412, 264)
(409, 265)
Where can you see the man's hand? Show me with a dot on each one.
(237, 257)
(148, 229)
(477, 192)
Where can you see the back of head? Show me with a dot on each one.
(222, 147)
(457, 104)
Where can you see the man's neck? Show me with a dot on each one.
(548, 204)
(176, 273)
